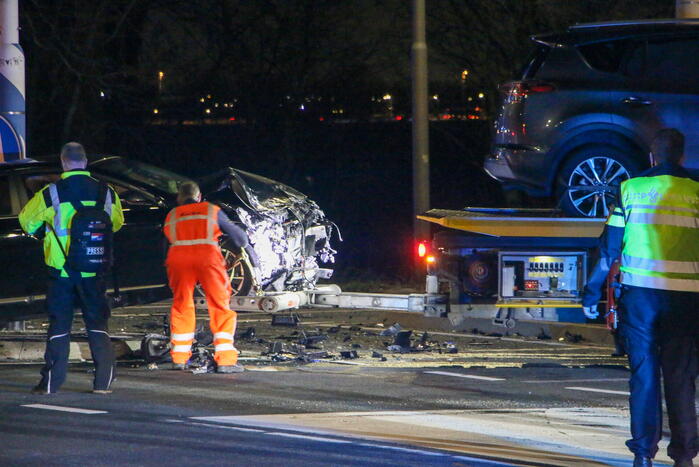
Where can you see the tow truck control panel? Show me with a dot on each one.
(541, 275)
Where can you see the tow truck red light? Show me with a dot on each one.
(421, 250)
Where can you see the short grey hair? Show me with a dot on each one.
(73, 152)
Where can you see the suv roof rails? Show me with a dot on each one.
(639, 22)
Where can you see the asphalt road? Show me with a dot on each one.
(510, 402)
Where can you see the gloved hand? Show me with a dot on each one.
(590, 312)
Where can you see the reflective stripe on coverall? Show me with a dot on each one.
(194, 256)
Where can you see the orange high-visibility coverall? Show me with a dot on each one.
(194, 256)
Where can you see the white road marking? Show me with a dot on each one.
(589, 380)
(398, 448)
(347, 362)
(604, 391)
(460, 375)
(59, 408)
(312, 438)
(225, 427)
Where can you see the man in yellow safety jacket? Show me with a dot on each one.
(53, 209)
(655, 232)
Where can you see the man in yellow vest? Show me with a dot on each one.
(54, 209)
(655, 232)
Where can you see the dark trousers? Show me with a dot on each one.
(63, 296)
(659, 330)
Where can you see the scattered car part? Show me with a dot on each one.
(310, 357)
(391, 331)
(155, 348)
(312, 340)
(275, 348)
(349, 354)
(248, 334)
(291, 319)
(402, 339)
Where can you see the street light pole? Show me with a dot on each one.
(687, 8)
(12, 104)
(421, 146)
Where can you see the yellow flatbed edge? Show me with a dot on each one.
(506, 226)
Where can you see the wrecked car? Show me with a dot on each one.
(289, 233)
(287, 230)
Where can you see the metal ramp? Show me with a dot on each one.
(331, 296)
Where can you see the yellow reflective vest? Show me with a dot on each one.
(660, 217)
(51, 205)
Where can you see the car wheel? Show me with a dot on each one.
(239, 273)
(589, 181)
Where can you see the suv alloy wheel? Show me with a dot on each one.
(590, 181)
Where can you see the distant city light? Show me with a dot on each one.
(481, 95)
(470, 99)
(435, 97)
(208, 96)
(207, 111)
(201, 100)
(155, 111)
(302, 107)
(161, 74)
(102, 94)
(464, 74)
(387, 97)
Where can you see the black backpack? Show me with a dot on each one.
(91, 236)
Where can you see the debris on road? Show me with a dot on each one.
(248, 334)
(310, 341)
(312, 357)
(451, 348)
(349, 354)
(291, 319)
(275, 348)
(392, 331)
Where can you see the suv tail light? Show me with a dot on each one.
(516, 91)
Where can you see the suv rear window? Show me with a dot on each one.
(534, 61)
(604, 56)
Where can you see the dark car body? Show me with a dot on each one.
(587, 104)
(147, 194)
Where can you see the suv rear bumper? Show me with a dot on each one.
(517, 168)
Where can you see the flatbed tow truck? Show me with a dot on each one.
(499, 264)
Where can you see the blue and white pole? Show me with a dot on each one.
(12, 103)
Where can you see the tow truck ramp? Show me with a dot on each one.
(331, 296)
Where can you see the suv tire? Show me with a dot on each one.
(587, 184)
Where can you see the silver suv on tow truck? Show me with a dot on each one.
(579, 118)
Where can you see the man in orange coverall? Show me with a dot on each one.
(193, 229)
